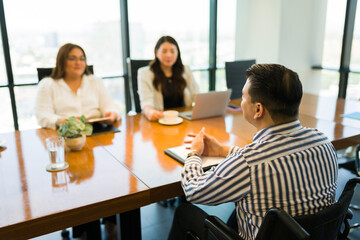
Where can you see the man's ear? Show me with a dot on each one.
(259, 110)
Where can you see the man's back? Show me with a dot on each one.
(292, 168)
(287, 166)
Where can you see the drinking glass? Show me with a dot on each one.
(55, 147)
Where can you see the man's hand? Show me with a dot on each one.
(207, 145)
(197, 144)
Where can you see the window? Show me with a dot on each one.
(355, 57)
(37, 30)
(353, 88)
(116, 88)
(202, 77)
(25, 102)
(35, 36)
(3, 78)
(6, 120)
(329, 83)
(334, 30)
(188, 25)
(225, 39)
(226, 32)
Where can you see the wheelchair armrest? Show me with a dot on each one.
(219, 229)
(349, 214)
(346, 230)
(277, 219)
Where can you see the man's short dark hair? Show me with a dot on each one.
(276, 87)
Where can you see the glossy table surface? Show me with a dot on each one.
(330, 108)
(116, 172)
(141, 144)
(35, 201)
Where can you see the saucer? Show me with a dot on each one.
(177, 121)
(50, 169)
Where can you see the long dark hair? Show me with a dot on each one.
(177, 70)
(59, 70)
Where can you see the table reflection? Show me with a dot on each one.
(81, 165)
(60, 180)
(151, 132)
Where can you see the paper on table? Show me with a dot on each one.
(354, 115)
(180, 153)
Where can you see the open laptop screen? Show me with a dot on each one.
(210, 104)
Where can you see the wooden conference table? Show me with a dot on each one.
(114, 173)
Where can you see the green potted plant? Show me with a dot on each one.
(74, 131)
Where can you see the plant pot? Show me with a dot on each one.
(75, 144)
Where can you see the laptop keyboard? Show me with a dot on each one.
(186, 114)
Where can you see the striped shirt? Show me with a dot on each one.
(286, 166)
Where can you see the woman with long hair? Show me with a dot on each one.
(166, 83)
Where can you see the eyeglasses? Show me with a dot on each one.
(73, 58)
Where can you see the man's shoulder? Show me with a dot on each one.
(274, 147)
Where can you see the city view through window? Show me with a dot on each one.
(38, 29)
(35, 37)
(332, 51)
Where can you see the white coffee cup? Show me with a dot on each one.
(170, 116)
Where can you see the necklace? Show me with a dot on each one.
(169, 80)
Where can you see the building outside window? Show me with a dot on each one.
(37, 30)
(188, 25)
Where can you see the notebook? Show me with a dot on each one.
(180, 153)
(101, 128)
(210, 104)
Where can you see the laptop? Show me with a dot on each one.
(210, 104)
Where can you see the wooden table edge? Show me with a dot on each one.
(69, 218)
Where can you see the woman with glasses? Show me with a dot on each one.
(72, 90)
(166, 83)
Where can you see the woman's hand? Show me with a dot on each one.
(113, 116)
(152, 114)
(61, 120)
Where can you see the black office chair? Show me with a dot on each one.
(133, 67)
(330, 223)
(351, 163)
(235, 76)
(277, 224)
(46, 72)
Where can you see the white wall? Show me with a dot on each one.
(288, 32)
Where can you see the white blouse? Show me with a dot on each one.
(56, 100)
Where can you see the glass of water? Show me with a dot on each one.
(55, 147)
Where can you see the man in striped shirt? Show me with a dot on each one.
(287, 166)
